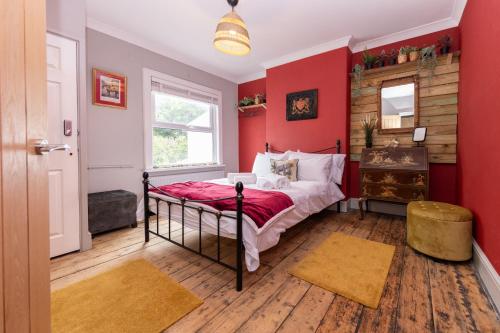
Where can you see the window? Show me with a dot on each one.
(181, 123)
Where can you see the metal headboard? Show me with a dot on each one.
(336, 147)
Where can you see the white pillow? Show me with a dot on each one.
(261, 165)
(338, 168)
(280, 156)
(316, 167)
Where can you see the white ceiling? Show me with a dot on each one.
(280, 30)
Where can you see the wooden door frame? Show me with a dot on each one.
(24, 223)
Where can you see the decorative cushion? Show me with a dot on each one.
(440, 230)
(286, 168)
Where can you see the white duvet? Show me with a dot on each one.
(309, 197)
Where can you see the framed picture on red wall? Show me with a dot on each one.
(109, 89)
(302, 105)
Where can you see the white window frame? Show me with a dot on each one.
(149, 122)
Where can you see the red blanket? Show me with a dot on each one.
(259, 205)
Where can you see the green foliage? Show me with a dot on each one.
(170, 146)
(246, 101)
(405, 50)
(173, 109)
(368, 58)
(358, 78)
(428, 60)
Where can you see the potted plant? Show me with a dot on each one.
(246, 101)
(358, 77)
(428, 60)
(445, 44)
(381, 59)
(413, 53)
(368, 59)
(368, 124)
(403, 55)
(393, 57)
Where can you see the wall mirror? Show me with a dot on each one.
(398, 105)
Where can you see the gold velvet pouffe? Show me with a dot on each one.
(440, 230)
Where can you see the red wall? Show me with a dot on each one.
(252, 125)
(479, 123)
(327, 72)
(443, 177)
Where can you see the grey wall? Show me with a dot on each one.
(68, 19)
(116, 137)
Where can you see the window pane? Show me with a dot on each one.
(179, 147)
(179, 110)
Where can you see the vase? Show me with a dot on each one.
(445, 50)
(368, 140)
(413, 55)
(402, 58)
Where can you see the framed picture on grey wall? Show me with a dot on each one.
(302, 105)
(109, 89)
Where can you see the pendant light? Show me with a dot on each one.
(231, 35)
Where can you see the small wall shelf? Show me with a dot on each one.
(248, 107)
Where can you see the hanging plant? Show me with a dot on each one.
(358, 78)
(427, 61)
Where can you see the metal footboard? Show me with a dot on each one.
(186, 203)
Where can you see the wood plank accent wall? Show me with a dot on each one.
(438, 107)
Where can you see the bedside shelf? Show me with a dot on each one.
(248, 107)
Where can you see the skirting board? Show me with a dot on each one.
(487, 273)
(344, 204)
(379, 207)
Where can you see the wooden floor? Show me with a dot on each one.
(421, 294)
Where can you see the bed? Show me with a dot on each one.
(308, 197)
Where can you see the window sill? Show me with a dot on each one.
(185, 170)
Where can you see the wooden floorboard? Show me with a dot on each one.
(421, 294)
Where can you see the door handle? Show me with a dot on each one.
(43, 147)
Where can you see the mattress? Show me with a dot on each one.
(309, 197)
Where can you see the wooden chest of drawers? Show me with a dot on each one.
(394, 174)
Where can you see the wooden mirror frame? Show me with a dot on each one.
(416, 112)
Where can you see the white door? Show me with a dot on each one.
(62, 112)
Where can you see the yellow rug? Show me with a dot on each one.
(135, 297)
(349, 266)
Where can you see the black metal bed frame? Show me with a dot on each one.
(185, 203)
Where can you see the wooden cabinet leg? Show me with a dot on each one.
(361, 212)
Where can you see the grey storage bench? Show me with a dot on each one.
(111, 210)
